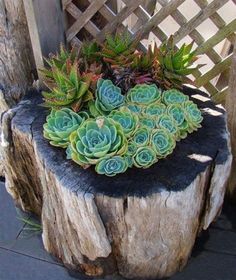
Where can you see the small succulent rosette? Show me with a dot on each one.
(112, 166)
(108, 98)
(96, 139)
(143, 94)
(60, 124)
(174, 96)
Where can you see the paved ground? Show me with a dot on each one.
(22, 256)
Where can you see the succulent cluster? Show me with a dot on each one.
(118, 132)
(115, 107)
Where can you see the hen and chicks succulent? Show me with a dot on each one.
(115, 107)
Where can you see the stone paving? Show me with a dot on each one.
(22, 256)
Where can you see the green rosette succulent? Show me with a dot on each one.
(108, 98)
(127, 119)
(193, 116)
(141, 136)
(163, 142)
(143, 94)
(144, 157)
(177, 112)
(60, 124)
(173, 96)
(96, 139)
(134, 108)
(112, 166)
(155, 109)
(167, 122)
(147, 122)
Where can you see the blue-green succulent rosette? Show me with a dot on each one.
(108, 98)
(143, 94)
(128, 120)
(60, 124)
(155, 110)
(141, 137)
(177, 112)
(193, 116)
(147, 122)
(112, 166)
(134, 108)
(144, 157)
(162, 142)
(167, 122)
(96, 139)
(174, 96)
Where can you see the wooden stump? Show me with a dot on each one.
(140, 224)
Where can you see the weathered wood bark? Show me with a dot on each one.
(231, 110)
(16, 59)
(140, 224)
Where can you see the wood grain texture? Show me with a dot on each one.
(231, 110)
(142, 223)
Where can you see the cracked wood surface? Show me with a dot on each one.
(140, 224)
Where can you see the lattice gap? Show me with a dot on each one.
(208, 23)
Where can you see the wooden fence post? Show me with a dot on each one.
(231, 109)
(46, 27)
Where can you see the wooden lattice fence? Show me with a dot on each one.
(87, 19)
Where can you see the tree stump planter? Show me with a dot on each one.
(141, 224)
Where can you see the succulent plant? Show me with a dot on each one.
(112, 166)
(141, 136)
(178, 114)
(143, 94)
(144, 157)
(167, 122)
(108, 98)
(127, 119)
(172, 66)
(60, 124)
(96, 139)
(147, 122)
(163, 142)
(90, 51)
(143, 61)
(155, 109)
(173, 96)
(118, 50)
(193, 116)
(67, 89)
(134, 107)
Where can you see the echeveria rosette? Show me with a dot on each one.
(193, 116)
(127, 119)
(141, 136)
(134, 108)
(144, 157)
(132, 148)
(167, 122)
(143, 94)
(108, 98)
(147, 122)
(163, 142)
(174, 96)
(112, 166)
(155, 110)
(178, 114)
(96, 139)
(60, 124)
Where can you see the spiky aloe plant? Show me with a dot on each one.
(68, 88)
(172, 66)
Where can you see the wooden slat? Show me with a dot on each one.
(198, 19)
(76, 14)
(218, 37)
(84, 18)
(216, 70)
(220, 96)
(120, 17)
(158, 17)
